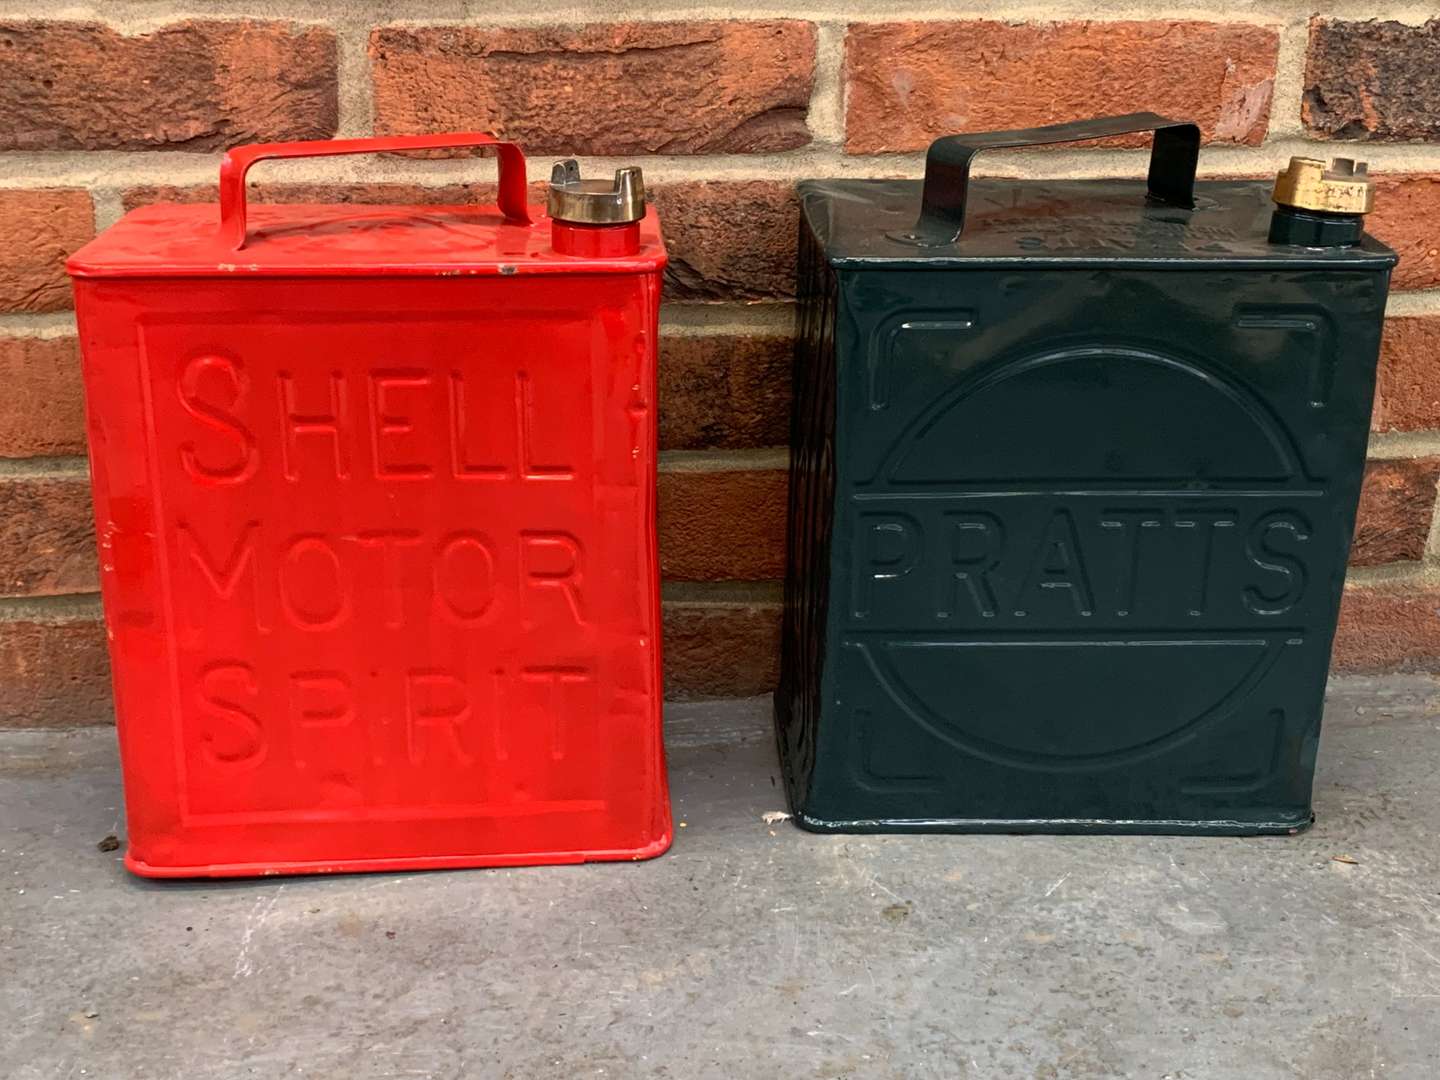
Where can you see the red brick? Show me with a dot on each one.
(54, 671)
(722, 525)
(1407, 395)
(1390, 627)
(1397, 503)
(38, 230)
(724, 391)
(196, 85)
(615, 88)
(722, 644)
(47, 543)
(1407, 217)
(909, 83)
(1373, 80)
(42, 412)
(729, 239)
(148, 195)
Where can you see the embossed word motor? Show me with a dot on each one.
(375, 494)
(1076, 471)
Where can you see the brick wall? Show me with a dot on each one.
(110, 105)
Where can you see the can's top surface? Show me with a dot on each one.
(345, 240)
(1065, 223)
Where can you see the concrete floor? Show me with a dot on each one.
(751, 950)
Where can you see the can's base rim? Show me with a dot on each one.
(1099, 826)
(649, 850)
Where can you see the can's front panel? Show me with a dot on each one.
(379, 568)
(1091, 531)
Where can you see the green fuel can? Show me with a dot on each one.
(1074, 477)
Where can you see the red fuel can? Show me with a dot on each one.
(375, 495)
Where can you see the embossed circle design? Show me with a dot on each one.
(980, 407)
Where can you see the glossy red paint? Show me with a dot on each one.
(376, 497)
(595, 241)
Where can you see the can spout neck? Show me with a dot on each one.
(1320, 205)
(595, 218)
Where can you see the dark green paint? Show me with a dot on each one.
(1071, 503)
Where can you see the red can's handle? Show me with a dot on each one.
(237, 162)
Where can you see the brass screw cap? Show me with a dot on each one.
(595, 202)
(1343, 188)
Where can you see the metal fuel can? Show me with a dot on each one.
(375, 495)
(1075, 468)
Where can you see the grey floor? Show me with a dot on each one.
(751, 950)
